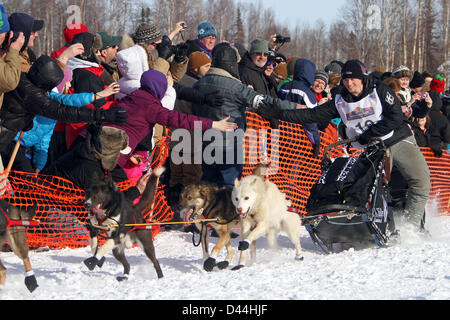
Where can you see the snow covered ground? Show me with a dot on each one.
(414, 269)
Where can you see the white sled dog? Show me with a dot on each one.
(262, 208)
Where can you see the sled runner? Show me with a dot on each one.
(349, 202)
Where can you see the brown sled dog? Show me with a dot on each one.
(108, 206)
(17, 238)
(204, 200)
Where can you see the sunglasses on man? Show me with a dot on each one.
(263, 54)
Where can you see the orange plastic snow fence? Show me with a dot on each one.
(287, 152)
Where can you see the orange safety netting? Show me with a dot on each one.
(287, 150)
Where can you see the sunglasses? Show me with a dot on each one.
(261, 54)
(272, 63)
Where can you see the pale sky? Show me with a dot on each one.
(303, 11)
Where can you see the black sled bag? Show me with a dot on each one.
(350, 200)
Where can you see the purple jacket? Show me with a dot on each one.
(144, 111)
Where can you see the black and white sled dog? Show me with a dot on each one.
(108, 207)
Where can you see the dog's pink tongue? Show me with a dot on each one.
(188, 215)
(97, 210)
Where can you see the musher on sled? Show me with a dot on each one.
(370, 109)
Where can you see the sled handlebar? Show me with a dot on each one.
(326, 159)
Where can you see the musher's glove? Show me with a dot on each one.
(363, 139)
(270, 112)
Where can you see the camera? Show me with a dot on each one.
(166, 50)
(422, 96)
(184, 25)
(281, 39)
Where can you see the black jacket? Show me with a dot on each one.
(393, 118)
(21, 105)
(251, 74)
(440, 125)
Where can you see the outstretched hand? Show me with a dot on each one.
(269, 112)
(113, 88)
(72, 51)
(224, 125)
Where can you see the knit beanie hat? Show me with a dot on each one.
(114, 143)
(146, 33)
(354, 69)
(4, 24)
(197, 59)
(291, 66)
(401, 72)
(417, 80)
(438, 84)
(322, 75)
(206, 29)
(259, 45)
(72, 29)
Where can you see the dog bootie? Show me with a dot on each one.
(223, 265)
(244, 245)
(101, 262)
(238, 267)
(122, 278)
(31, 282)
(91, 263)
(209, 264)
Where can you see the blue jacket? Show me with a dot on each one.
(299, 90)
(41, 133)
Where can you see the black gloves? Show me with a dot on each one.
(269, 112)
(213, 99)
(181, 53)
(114, 115)
(363, 139)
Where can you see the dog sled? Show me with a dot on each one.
(349, 204)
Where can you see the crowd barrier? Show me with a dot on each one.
(286, 151)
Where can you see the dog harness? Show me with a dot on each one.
(17, 223)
